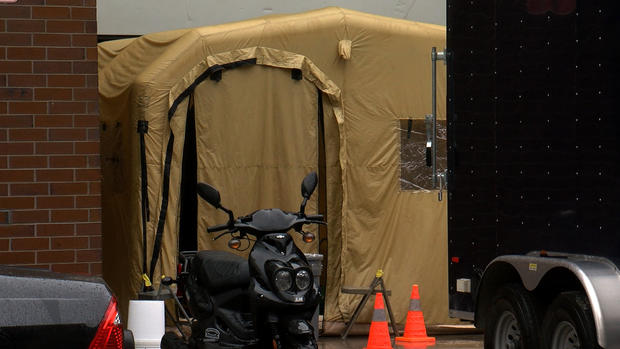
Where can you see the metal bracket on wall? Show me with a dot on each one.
(435, 56)
(429, 122)
(443, 183)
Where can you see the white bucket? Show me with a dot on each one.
(148, 344)
(147, 322)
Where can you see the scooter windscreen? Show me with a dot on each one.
(269, 221)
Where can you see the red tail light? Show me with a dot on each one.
(110, 333)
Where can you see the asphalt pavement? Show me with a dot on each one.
(456, 341)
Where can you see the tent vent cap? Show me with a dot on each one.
(344, 49)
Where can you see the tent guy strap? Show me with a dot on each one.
(143, 128)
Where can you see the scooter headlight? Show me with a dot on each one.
(303, 279)
(283, 280)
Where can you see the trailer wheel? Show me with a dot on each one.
(569, 323)
(513, 320)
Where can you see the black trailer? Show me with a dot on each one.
(533, 171)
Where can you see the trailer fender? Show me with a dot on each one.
(599, 277)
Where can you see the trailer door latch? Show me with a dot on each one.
(443, 183)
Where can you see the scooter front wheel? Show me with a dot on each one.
(306, 341)
(282, 339)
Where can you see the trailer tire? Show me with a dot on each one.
(569, 321)
(513, 320)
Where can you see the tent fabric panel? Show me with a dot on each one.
(334, 215)
(310, 34)
(122, 62)
(121, 213)
(379, 219)
(108, 52)
(124, 101)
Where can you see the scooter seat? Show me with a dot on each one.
(220, 270)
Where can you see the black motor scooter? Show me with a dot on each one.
(266, 301)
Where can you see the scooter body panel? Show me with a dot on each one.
(270, 252)
(230, 295)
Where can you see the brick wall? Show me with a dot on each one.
(50, 210)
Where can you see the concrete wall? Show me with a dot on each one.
(122, 17)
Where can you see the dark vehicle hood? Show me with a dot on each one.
(37, 298)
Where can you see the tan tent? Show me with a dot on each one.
(251, 107)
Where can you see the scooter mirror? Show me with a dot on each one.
(209, 194)
(309, 184)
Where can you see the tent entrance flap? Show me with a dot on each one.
(189, 200)
(256, 139)
(166, 173)
(322, 190)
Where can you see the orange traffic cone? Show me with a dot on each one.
(379, 336)
(415, 331)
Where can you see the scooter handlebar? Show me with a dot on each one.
(218, 227)
(315, 217)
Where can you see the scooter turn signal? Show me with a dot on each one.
(234, 244)
(308, 237)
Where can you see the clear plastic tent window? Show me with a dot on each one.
(414, 174)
